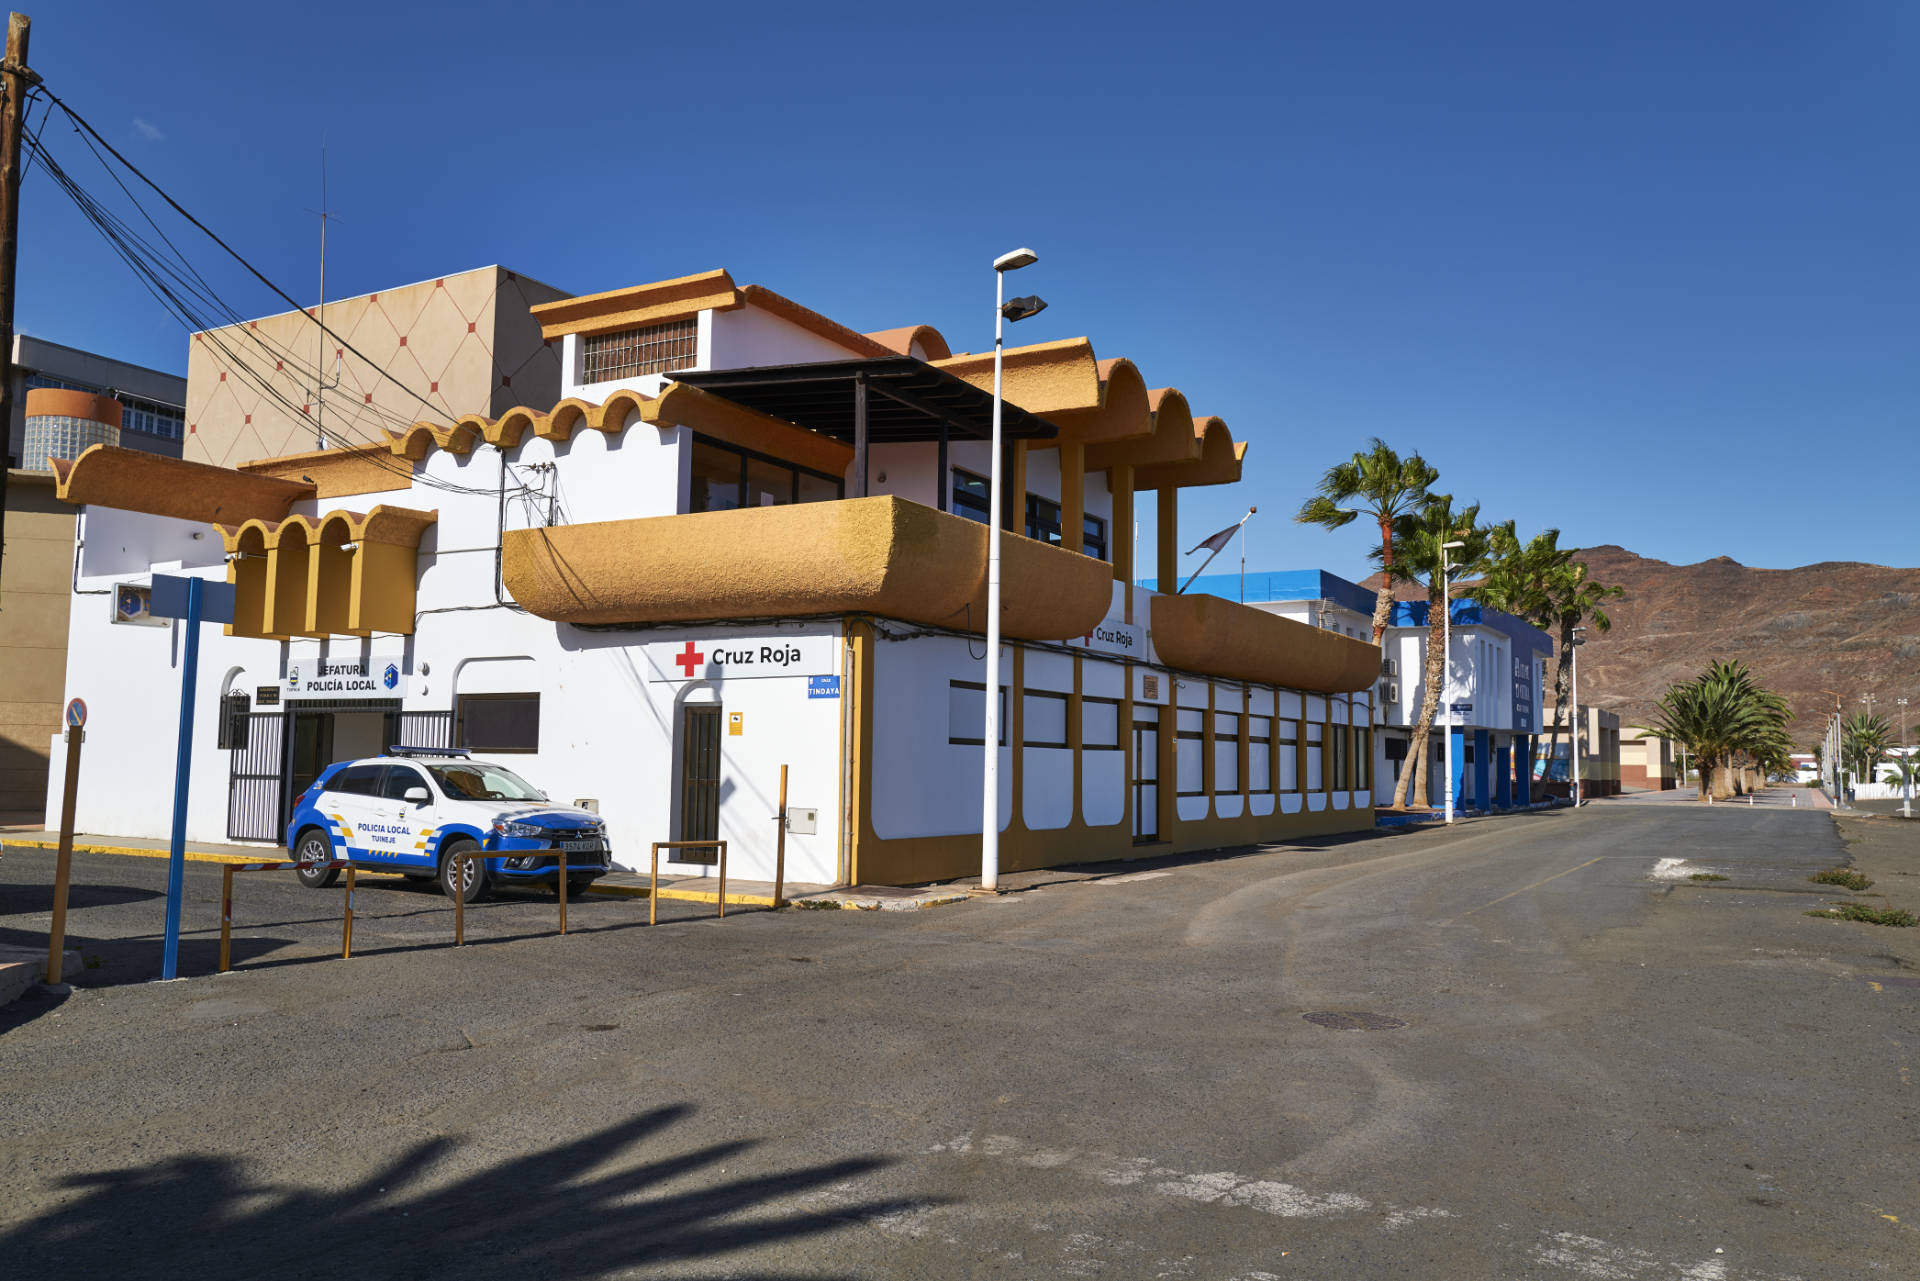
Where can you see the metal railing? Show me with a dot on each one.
(653, 883)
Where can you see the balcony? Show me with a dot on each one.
(882, 555)
(1222, 638)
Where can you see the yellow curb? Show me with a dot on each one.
(684, 896)
(132, 851)
(193, 856)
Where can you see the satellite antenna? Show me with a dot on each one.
(320, 343)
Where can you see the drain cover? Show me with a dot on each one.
(1352, 1020)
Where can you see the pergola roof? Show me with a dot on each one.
(906, 400)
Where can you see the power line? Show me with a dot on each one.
(198, 305)
(255, 272)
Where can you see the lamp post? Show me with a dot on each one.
(1906, 764)
(1573, 749)
(1446, 657)
(1003, 311)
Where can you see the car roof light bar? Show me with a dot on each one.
(400, 750)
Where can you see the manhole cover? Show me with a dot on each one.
(1352, 1020)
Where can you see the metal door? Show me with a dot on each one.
(700, 784)
(256, 800)
(309, 750)
(1146, 773)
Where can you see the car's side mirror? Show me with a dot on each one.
(418, 795)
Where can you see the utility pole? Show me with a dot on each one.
(15, 80)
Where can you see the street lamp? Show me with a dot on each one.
(1446, 655)
(1573, 749)
(1003, 311)
(1906, 764)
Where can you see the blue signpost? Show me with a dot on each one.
(194, 601)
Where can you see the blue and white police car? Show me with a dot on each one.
(411, 810)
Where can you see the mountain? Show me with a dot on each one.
(1844, 627)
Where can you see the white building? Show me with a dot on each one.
(1496, 672)
(740, 542)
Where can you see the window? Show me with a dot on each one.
(498, 722)
(1189, 762)
(1260, 754)
(234, 720)
(1226, 753)
(967, 713)
(357, 780)
(399, 779)
(1289, 755)
(1316, 756)
(1362, 760)
(1044, 720)
(1100, 724)
(724, 478)
(651, 349)
(972, 496)
(1043, 520)
(1093, 536)
(1338, 745)
(717, 479)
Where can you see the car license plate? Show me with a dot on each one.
(583, 847)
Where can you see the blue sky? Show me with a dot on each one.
(1644, 272)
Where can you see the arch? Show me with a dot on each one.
(561, 422)
(1218, 461)
(933, 346)
(1123, 411)
(505, 432)
(1171, 439)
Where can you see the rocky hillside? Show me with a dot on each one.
(1841, 626)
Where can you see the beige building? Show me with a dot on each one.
(1648, 761)
(33, 636)
(453, 345)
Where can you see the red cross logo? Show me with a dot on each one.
(690, 658)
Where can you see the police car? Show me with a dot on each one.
(412, 809)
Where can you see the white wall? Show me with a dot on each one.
(748, 336)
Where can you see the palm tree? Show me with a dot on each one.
(1420, 536)
(1541, 582)
(1723, 714)
(1381, 484)
(1864, 739)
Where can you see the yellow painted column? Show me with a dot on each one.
(1073, 497)
(1168, 580)
(1014, 495)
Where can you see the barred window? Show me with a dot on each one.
(651, 349)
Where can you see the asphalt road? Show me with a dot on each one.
(1574, 1062)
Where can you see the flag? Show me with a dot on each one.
(1219, 541)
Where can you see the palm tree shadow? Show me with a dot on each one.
(576, 1210)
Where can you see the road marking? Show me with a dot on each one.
(1215, 1187)
(1536, 885)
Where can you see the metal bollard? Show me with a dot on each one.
(653, 888)
(723, 878)
(226, 918)
(459, 897)
(346, 935)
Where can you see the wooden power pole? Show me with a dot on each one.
(15, 81)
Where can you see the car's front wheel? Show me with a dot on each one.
(472, 873)
(314, 852)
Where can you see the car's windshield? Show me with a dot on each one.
(478, 781)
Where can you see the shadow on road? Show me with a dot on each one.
(575, 1210)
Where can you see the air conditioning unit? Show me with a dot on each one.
(1389, 691)
(1389, 667)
